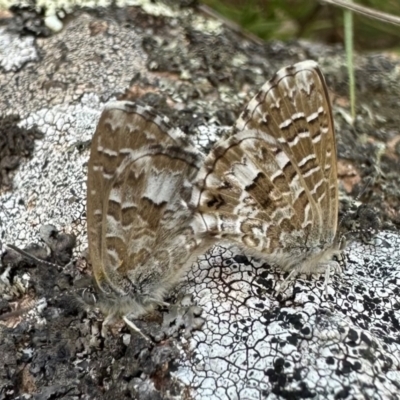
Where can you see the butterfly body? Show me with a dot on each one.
(271, 186)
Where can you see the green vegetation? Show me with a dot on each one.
(311, 19)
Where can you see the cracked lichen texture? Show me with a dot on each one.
(62, 96)
(51, 187)
(90, 63)
(16, 51)
(253, 345)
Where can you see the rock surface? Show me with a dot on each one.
(253, 344)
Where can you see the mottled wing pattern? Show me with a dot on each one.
(140, 176)
(294, 107)
(271, 186)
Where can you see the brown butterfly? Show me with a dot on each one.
(271, 186)
(140, 177)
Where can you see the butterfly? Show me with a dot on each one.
(140, 175)
(271, 185)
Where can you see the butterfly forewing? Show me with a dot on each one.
(271, 186)
(140, 176)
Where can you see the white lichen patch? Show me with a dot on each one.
(211, 26)
(16, 50)
(53, 23)
(50, 188)
(208, 134)
(51, 7)
(253, 346)
(151, 7)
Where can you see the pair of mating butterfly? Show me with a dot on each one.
(155, 203)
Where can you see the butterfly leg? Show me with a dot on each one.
(110, 318)
(341, 263)
(285, 283)
(134, 327)
(107, 321)
(326, 280)
(331, 268)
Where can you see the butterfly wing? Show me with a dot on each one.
(140, 176)
(272, 184)
(294, 107)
